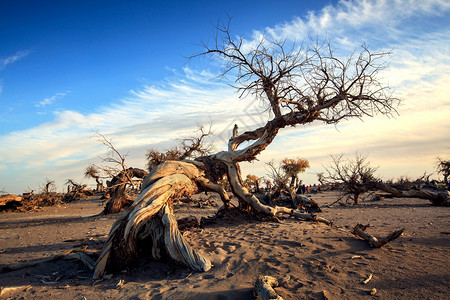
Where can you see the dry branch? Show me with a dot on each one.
(359, 230)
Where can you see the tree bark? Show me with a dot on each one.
(150, 221)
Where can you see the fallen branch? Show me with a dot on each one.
(369, 278)
(359, 230)
(264, 288)
(437, 197)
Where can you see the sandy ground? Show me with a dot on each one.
(311, 261)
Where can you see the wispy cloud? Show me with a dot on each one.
(13, 58)
(153, 116)
(361, 19)
(52, 99)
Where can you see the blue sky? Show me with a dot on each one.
(69, 68)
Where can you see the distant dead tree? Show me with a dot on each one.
(49, 186)
(443, 167)
(122, 176)
(292, 167)
(281, 175)
(188, 148)
(92, 171)
(76, 191)
(299, 86)
(278, 177)
(354, 176)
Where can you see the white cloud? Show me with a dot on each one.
(51, 100)
(13, 58)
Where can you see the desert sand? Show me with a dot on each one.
(310, 261)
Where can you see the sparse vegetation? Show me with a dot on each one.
(353, 176)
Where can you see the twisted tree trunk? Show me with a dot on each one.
(151, 219)
(149, 224)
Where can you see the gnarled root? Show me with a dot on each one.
(151, 219)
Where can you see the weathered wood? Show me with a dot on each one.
(242, 193)
(437, 197)
(359, 230)
(5, 290)
(264, 288)
(151, 218)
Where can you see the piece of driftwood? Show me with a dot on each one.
(359, 230)
(78, 254)
(264, 288)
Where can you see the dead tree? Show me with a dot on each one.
(443, 167)
(280, 178)
(188, 148)
(354, 176)
(92, 171)
(122, 177)
(118, 198)
(300, 86)
(439, 197)
(76, 191)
